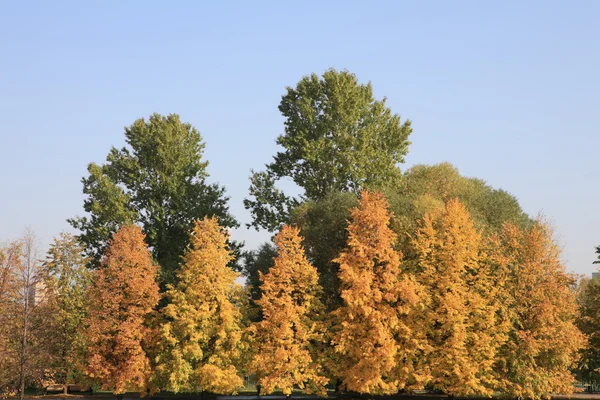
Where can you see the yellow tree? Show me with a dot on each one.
(462, 317)
(201, 335)
(376, 340)
(288, 340)
(121, 300)
(541, 304)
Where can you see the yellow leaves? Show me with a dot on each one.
(202, 339)
(286, 340)
(378, 304)
(543, 340)
(452, 265)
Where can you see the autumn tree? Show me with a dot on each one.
(201, 336)
(423, 189)
(543, 343)
(462, 322)
(158, 181)
(377, 342)
(337, 137)
(10, 264)
(288, 339)
(121, 299)
(66, 279)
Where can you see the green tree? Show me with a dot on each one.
(598, 253)
(256, 263)
(323, 224)
(338, 137)
(159, 182)
(589, 323)
(427, 188)
(66, 280)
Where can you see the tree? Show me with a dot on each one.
(462, 318)
(589, 323)
(66, 280)
(121, 300)
(377, 342)
(201, 335)
(323, 224)
(23, 362)
(338, 137)
(598, 253)
(158, 182)
(425, 189)
(10, 264)
(288, 339)
(257, 263)
(544, 342)
(29, 294)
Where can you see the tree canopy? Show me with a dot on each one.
(337, 137)
(202, 332)
(121, 299)
(287, 340)
(159, 180)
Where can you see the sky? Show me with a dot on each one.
(508, 92)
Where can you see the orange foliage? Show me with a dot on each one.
(376, 338)
(540, 301)
(462, 318)
(121, 298)
(287, 338)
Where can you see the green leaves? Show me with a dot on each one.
(338, 137)
(157, 181)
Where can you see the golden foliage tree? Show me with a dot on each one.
(289, 338)
(201, 336)
(462, 318)
(121, 299)
(377, 341)
(541, 304)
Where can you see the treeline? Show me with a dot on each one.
(376, 281)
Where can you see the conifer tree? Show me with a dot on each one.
(287, 341)
(121, 300)
(66, 279)
(377, 343)
(544, 342)
(464, 331)
(201, 336)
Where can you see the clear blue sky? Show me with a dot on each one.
(506, 91)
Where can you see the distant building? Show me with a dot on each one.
(37, 293)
